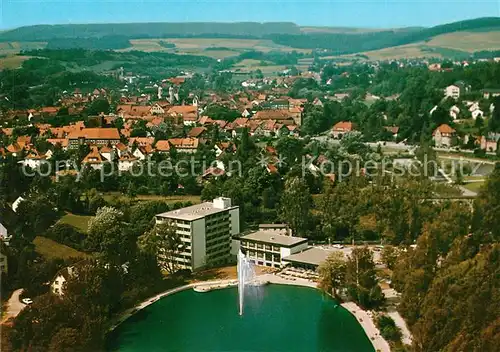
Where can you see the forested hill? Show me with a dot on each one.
(346, 43)
(117, 36)
(148, 30)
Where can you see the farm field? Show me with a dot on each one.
(51, 249)
(12, 61)
(467, 41)
(198, 46)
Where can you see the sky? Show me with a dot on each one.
(336, 13)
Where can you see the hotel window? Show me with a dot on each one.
(269, 257)
(243, 243)
(276, 249)
(260, 255)
(251, 244)
(259, 246)
(268, 247)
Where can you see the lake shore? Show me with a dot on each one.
(363, 317)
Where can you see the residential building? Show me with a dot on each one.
(454, 111)
(94, 136)
(452, 91)
(443, 136)
(4, 234)
(126, 162)
(490, 142)
(267, 248)
(491, 93)
(206, 229)
(58, 284)
(341, 128)
(394, 130)
(477, 113)
(94, 159)
(184, 145)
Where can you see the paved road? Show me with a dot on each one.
(14, 305)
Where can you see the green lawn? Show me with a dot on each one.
(51, 249)
(149, 197)
(78, 221)
(474, 186)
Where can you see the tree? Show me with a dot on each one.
(389, 256)
(494, 122)
(66, 340)
(295, 205)
(108, 235)
(38, 213)
(98, 106)
(332, 273)
(361, 280)
(165, 243)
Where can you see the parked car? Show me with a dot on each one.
(27, 300)
(338, 246)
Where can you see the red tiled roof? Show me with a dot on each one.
(162, 146)
(343, 126)
(185, 143)
(95, 133)
(141, 141)
(94, 157)
(196, 132)
(273, 115)
(63, 142)
(444, 129)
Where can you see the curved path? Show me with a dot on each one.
(14, 305)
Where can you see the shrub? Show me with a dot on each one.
(388, 328)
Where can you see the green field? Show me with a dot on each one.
(78, 221)
(474, 186)
(168, 199)
(53, 250)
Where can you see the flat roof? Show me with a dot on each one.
(311, 255)
(272, 238)
(194, 212)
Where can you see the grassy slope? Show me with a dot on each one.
(52, 250)
(78, 221)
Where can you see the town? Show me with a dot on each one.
(375, 181)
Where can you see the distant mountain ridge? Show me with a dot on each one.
(148, 30)
(336, 40)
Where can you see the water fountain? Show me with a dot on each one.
(246, 274)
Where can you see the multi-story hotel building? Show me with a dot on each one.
(206, 229)
(267, 248)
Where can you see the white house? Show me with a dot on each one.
(454, 111)
(157, 109)
(477, 113)
(16, 203)
(4, 234)
(126, 162)
(57, 286)
(452, 91)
